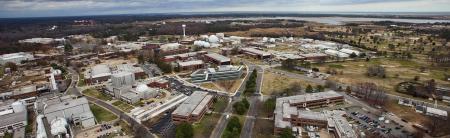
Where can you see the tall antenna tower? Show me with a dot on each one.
(184, 30)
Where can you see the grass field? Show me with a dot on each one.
(274, 84)
(204, 128)
(101, 114)
(220, 105)
(263, 128)
(96, 94)
(397, 71)
(123, 106)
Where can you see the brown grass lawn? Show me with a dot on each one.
(230, 85)
(210, 85)
(405, 112)
(204, 128)
(355, 72)
(263, 128)
(275, 83)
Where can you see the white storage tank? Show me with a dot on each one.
(213, 39)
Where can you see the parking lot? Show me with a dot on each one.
(164, 126)
(370, 123)
(178, 86)
(102, 131)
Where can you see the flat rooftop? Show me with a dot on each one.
(283, 108)
(309, 97)
(12, 118)
(310, 55)
(218, 57)
(190, 63)
(194, 104)
(256, 51)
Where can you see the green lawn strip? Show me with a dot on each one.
(220, 105)
(123, 106)
(204, 128)
(101, 114)
(81, 81)
(97, 94)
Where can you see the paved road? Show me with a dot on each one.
(252, 113)
(223, 121)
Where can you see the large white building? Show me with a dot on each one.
(16, 58)
(74, 110)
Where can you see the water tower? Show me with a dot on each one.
(184, 30)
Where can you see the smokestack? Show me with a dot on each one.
(184, 30)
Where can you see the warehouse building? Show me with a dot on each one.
(217, 59)
(315, 57)
(256, 53)
(193, 108)
(16, 58)
(224, 72)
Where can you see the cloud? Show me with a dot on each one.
(17, 8)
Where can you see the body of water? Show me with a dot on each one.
(326, 20)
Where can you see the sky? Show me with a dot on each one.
(44, 8)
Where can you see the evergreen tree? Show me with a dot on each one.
(184, 130)
(309, 89)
